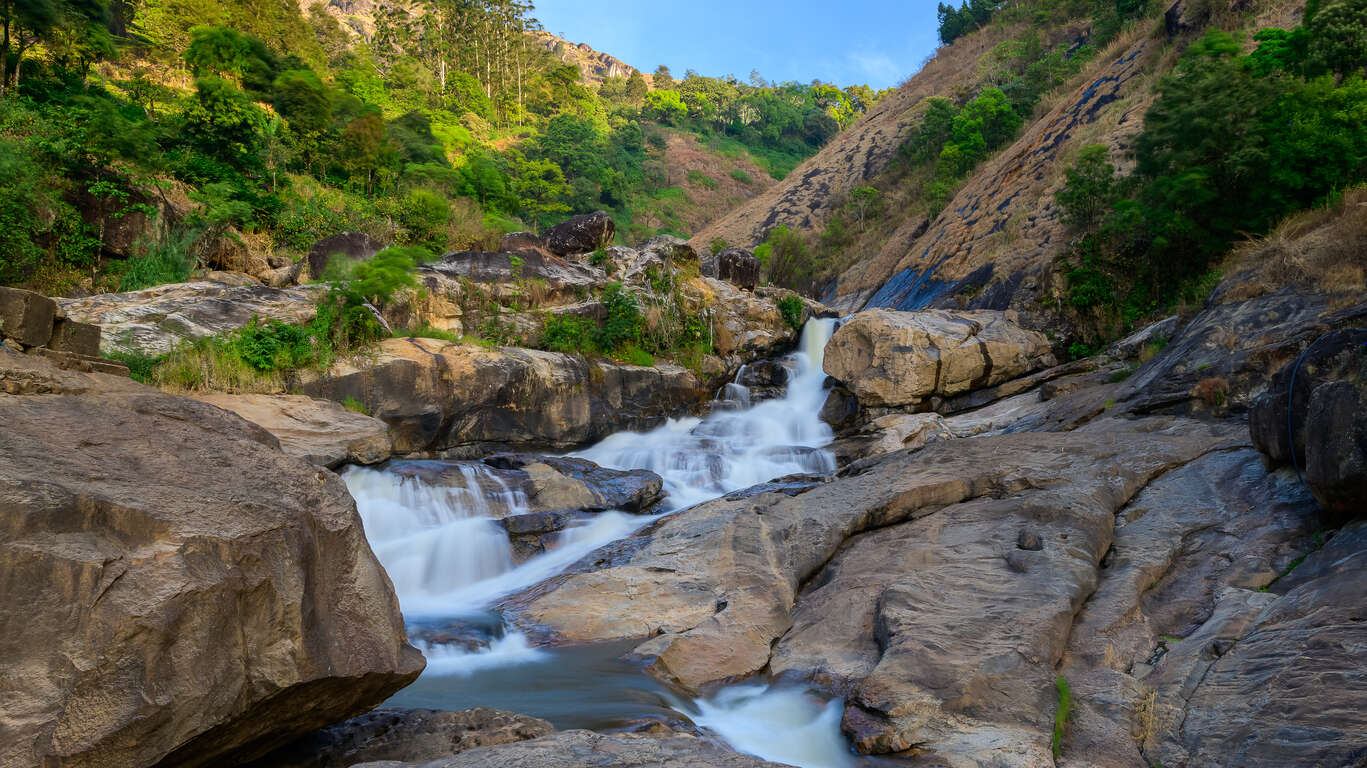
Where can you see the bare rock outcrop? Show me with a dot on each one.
(175, 588)
(585, 749)
(319, 431)
(580, 234)
(738, 267)
(405, 734)
(889, 358)
(155, 320)
(462, 400)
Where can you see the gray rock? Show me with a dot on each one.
(26, 317)
(586, 749)
(352, 246)
(738, 267)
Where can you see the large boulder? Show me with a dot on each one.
(155, 320)
(463, 400)
(26, 318)
(738, 267)
(405, 734)
(1325, 433)
(320, 432)
(581, 234)
(175, 590)
(349, 246)
(890, 358)
(670, 249)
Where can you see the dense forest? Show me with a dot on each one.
(438, 125)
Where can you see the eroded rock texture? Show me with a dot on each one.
(582, 749)
(173, 587)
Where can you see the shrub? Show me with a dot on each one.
(428, 332)
(140, 366)
(741, 176)
(791, 307)
(569, 334)
(623, 322)
(1213, 391)
(355, 406)
(700, 179)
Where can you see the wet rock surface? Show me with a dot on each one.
(175, 587)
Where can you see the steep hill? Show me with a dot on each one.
(994, 242)
(593, 65)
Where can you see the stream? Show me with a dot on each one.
(449, 559)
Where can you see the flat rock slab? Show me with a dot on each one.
(154, 321)
(174, 589)
(585, 749)
(318, 431)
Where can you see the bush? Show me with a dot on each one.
(700, 179)
(742, 176)
(622, 323)
(791, 307)
(1061, 715)
(569, 334)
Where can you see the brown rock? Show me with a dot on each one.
(738, 267)
(26, 317)
(405, 734)
(466, 400)
(889, 358)
(352, 246)
(175, 588)
(585, 749)
(77, 338)
(319, 431)
(521, 241)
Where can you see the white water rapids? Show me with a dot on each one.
(448, 556)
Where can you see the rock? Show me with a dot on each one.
(285, 275)
(1286, 685)
(1133, 345)
(230, 253)
(176, 590)
(521, 241)
(74, 337)
(404, 734)
(586, 749)
(155, 320)
(581, 234)
(320, 432)
(889, 358)
(672, 250)
(745, 326)
(466, 400)
(562, 482)
(739, 267)
(713, 587)
(840, 409)
(26, 317)
(893, 432)
(563, 278)
(1327, 399)
(351, 246)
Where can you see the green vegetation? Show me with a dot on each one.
(741, 176)
(355, 406)
(1061, 715)
(1232, 144)
(443, 130)
(166, 261)
(791, 307)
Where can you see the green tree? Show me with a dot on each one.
(222, 122)
(1338, 37)
(662, 79)
(636, 88)
(1089, 191)
(226, 52)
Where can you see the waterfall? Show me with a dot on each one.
(448, 556)
(701, 459)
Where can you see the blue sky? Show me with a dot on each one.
(878, 42)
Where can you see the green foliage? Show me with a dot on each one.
(1233, 143)
(786, 260)
(622, 323)
(355, 406)
(272, 345)
(167, 260)
(792, 308)
(225, 52)
(21, 204)
(570, 334)
(1061, 714)
(740, 175)
(140, 366)
(700, 179)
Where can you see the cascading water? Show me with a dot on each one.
(701, 459)
(448, 556)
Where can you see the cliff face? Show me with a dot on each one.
(594, 66)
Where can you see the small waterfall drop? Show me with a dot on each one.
(701, 459)
(776, 723)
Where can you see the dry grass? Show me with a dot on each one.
(1145, 730)
(1321, 249)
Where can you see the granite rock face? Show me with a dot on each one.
(889, 358)
(586, 749)
(581, 234)
(319, 431)
(175, 588)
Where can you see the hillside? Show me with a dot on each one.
(264, 126)
(991, 237)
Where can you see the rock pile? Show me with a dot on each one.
(33, 323)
